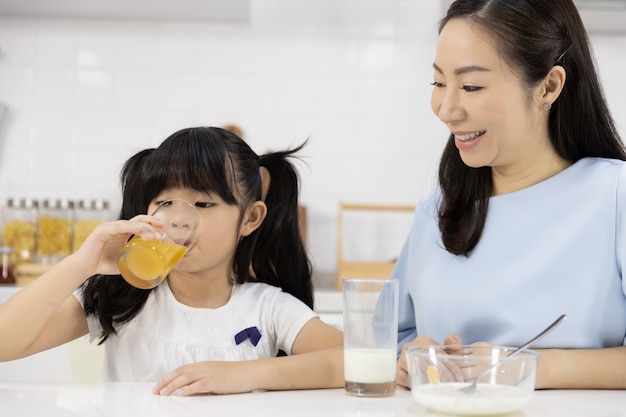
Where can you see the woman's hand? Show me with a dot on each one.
(100, 251)
(452, 372)
(207, 377)
(464, 370)
(402, 371)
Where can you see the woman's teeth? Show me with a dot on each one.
(470, 136)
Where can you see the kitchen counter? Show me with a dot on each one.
(6, 291)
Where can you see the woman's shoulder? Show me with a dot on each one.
(428, 204)
(597, 172)
(599, 165)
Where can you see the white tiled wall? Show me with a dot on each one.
(84, 95)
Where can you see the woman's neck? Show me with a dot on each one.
(522, 175)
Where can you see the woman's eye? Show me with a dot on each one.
(202, 204)
(437, 84)
(471, 88)
(164, 203)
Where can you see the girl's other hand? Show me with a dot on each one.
(206, 377)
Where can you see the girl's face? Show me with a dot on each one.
(484, 104)
(216, 236)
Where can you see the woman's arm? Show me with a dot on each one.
(559, 368)
(316, 362)
(582, 368)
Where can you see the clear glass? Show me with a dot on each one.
(370, 321)
(88, 214)
(54, 230)
(19, 230)
(145, 264)
(438, 372)
(6, 265)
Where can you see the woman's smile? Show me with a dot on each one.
(464, 141)
(466, 137)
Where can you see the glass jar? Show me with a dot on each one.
(19, 230)
(54, 230)
(6, 265)
(88, 214)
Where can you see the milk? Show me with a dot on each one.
(488, 399)
(369, 366)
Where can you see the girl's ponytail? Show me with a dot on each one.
(279, 257)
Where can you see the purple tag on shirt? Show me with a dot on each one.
(251, 333)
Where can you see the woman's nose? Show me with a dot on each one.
(448, 108)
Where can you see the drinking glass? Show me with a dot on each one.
(145, 264)
(370, 320)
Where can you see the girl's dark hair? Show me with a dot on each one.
(213, 160)
(531, 36)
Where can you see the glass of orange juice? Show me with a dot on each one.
(145, 264)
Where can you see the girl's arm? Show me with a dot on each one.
(582, 368)
(316, 362)
(44, 314)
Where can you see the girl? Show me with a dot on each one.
(217, 323)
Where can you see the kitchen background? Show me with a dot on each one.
(79, 95)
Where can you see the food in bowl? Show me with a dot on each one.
(438, 373)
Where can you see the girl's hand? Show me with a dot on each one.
(100, 251)
(207, 377)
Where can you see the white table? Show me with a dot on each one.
(136, 400)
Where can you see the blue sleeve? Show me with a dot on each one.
(406, 313)
(620, 229)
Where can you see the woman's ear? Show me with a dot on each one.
(552, 85)
(255, 214)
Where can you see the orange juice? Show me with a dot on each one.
(145, 264)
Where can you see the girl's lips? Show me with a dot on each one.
(187, 244)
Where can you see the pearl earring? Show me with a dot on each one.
(547, 106)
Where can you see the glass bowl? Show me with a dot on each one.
(437, 374)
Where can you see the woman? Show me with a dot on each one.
(528, 223)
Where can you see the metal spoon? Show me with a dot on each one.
(470, 389)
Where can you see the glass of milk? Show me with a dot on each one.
(370, 324)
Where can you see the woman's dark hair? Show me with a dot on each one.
(531, 36)
(213, 160)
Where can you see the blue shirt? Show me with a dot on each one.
(557, 247)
